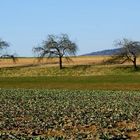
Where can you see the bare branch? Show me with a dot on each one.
(129, 51)
(60, 46)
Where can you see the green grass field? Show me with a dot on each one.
(113, 82)
(73, 77)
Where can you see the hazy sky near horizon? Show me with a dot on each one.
(92, 24)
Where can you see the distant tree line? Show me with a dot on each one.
(62, 47)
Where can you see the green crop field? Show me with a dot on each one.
(69, 114)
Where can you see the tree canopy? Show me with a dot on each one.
(4, 45)
(57, 46)
(128, 51)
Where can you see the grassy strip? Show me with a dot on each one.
(68, 82)
(79, 70)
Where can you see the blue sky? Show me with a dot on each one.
(92, 24)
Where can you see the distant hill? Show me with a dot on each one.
(104, 52)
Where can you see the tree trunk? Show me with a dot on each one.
(60, 62)
(134, 63)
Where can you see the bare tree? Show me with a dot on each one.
(57, 46)
(129, 51)
(4, 45)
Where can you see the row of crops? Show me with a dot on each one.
(64, 114)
